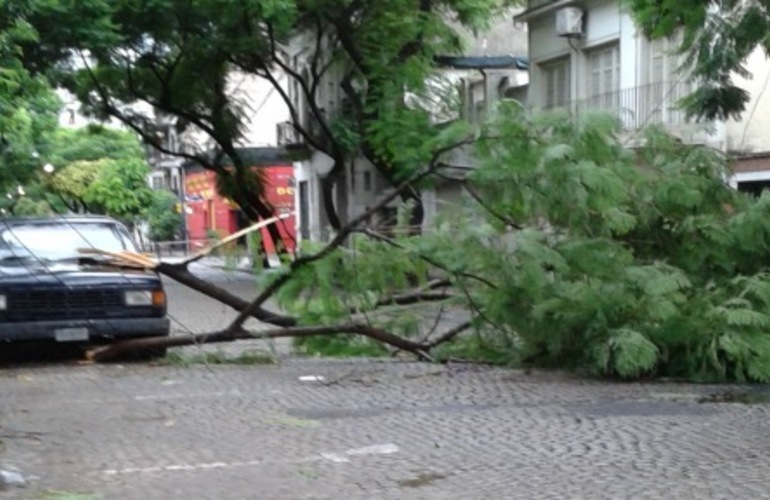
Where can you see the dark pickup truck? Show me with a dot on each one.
(49, 291)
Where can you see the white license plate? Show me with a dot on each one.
(71, 334)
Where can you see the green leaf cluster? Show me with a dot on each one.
(100, 170)
(629, 262)
(162, 216)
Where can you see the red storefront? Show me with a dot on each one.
(209, 214)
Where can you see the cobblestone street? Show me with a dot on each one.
(363, 429)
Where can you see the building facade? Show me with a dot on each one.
(588, 55)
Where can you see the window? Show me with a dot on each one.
(367, 181)
(603, 77)
(556, 77)
(34, 240)
(665, 86)
(158, 182)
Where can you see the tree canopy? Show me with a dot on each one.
(177, 59)
(100, 170)
(28, 106)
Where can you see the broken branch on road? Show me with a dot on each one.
(288, 326)
(108, 352)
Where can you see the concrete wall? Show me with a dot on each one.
(264, 108)
(751, 133)
(503, 38)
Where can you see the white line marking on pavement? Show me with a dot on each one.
(149, 397)
(334, 457)
(378, 449)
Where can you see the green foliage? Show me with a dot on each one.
(101, 170)
(219, 357)
(340, 345)
(91, 143)
(28, 106)
(162, 216)
(121, 189)
(73, 180)
(29, 206)
(630, 263)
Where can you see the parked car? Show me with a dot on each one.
(49, 291)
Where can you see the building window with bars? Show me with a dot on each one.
(665, 86)
(603, 85)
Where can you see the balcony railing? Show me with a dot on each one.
(637, 107)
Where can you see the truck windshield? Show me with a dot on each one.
(60, 240)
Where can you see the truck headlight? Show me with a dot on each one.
(145, 298)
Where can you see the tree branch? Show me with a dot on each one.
(502, 218)
(108, 352)
(429, 260)
(182, 275)
(450, 334)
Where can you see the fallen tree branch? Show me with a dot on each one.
(381, 237)
(408, 298)
(105, 353)
(449, 334)
(185, 277)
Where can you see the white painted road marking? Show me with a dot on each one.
(378, 449)
(150, 397)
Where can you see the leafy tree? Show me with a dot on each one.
(585, 255)
(162, 216)
(718, 37)
(120, 189)
(28, 107)
(177, 58)
(93, 142)
(71, 183)
(30, 206)
(99, 170)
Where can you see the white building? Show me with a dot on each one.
(589, 55)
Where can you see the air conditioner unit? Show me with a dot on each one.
(569, 22)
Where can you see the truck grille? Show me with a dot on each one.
(42, 305)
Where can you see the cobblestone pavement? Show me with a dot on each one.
(368, 430)
(385, 430)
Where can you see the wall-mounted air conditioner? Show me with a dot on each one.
(569, 22)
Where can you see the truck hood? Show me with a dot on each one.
(69, 273)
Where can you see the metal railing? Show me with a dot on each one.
(178, 248)
(637, 107)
